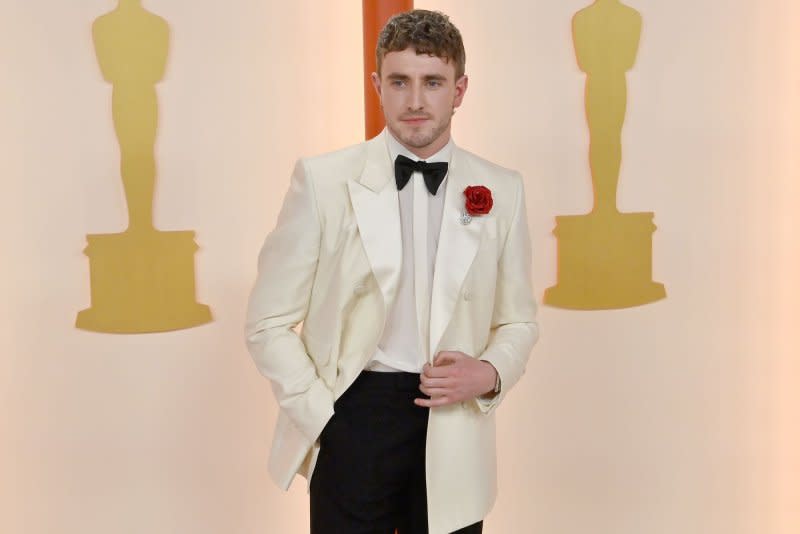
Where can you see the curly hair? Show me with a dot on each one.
(428, 32)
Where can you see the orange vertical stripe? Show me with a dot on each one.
(376, 13)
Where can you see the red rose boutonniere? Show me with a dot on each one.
(478, 200)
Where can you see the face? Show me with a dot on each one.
(419, 94)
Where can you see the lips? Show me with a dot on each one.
(414, 121)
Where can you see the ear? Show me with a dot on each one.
(461, 89)
(376, 83)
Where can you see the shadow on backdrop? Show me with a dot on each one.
(142, 279)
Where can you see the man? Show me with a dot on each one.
(413, 282)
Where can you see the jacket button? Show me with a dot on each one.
(359, 289)
(467, 295)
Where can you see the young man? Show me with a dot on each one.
(413, 283)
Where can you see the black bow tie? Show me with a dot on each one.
(433, 173)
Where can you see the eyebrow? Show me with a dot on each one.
(398, 76)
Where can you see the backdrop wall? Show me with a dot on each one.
(679, 416)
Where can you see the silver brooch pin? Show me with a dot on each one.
(465, 217)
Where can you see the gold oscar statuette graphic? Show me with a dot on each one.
(142, 279)
(605, 256)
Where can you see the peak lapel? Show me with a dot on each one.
(458, 244)
(375, 204)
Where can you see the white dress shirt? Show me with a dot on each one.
(403, 345)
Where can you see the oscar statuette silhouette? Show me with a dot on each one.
(605, 256)
(142, 279)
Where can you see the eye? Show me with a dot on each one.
(398, 83)
(434, 83)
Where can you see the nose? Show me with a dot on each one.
(415, 96)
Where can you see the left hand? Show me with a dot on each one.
(455, 377)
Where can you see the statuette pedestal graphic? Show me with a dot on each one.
(604, 265)
(140, 283)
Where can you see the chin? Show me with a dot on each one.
(416, 142)
(418, 139)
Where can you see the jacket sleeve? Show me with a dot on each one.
(514, 330)
(279, 301)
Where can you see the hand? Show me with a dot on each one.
(455, 377)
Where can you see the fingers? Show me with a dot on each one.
(447, 357)
(436, 381)
(436, 393)
(440, 371)
(434, 372)
(442, 390)
(437, 389)
(443, 381)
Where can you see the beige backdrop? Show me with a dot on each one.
(677, 417)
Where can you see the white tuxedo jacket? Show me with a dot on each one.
(333, 262)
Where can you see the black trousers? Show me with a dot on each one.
(370, 473)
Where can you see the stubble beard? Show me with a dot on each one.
(421, 139)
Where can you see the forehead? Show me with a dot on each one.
(408, 63)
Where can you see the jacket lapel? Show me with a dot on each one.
(458, 244)
(376, 207)
(377, 211)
